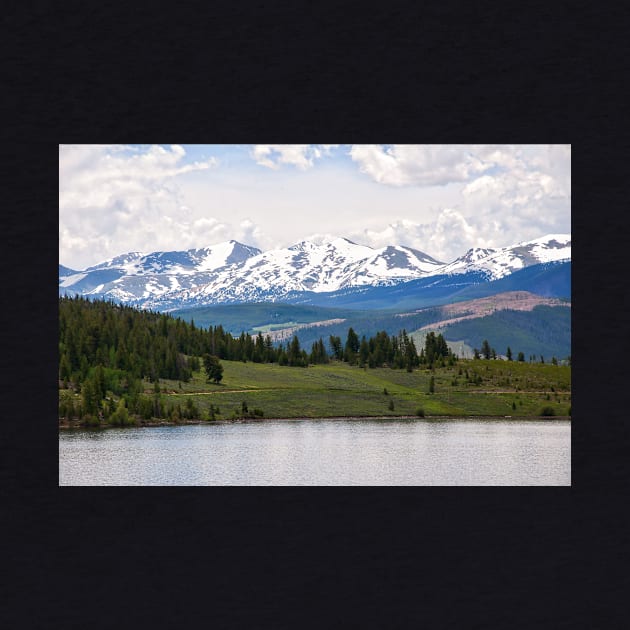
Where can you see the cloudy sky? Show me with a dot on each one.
(440, 199)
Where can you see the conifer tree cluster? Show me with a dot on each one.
(395, 351)
(123, 343)
(487, 352)
(144, 344)
(106, 350)
(436, 349)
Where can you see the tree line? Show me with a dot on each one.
(109, 349)
(488, 352)
(395, 351)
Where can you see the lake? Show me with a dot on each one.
(322, 452)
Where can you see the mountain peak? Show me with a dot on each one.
(499, 262)
(559, 239)
(343, 240)
(233, 272)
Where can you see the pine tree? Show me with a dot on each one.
(364, 351)
(411, 355)
(322, 351)
(270, 354)
(430, 348)
(64, 368)
(259, 349)
(295, 357)
(89, 396)
(509, 353)
(352, 347)
(318, 352)
(335, 346)
(441, 346)
(485, 349)
(213, 367)
(121, 415)
(99, 382)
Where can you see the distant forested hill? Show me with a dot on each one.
(547, 280)
(236, 318)
(546, 331)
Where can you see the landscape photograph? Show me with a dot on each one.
(314, 315)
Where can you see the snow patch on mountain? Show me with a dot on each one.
(233, 272)
(498, 263)
(551, 248)
(68, 281)
(124, 261)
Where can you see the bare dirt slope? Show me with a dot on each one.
(286, 333)
(451, 313)
(481, 307)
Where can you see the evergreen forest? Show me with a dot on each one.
(112, 357)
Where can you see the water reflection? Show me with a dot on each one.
(322, 452)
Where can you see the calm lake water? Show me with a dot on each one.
(321, 452)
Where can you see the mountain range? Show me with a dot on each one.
(336, 271)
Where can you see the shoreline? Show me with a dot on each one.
(65, 425)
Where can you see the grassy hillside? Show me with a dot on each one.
(341, 390)
(120, 366)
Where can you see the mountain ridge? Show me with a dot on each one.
(231, 272)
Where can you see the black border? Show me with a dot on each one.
(287, 557)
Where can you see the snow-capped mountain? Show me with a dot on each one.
(498, 263)
(233, 272)
(331, 266)
(186, 262)
(135, 277)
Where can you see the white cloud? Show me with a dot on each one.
(210, 229)
(113, 198)
(453, 234)
(320, 238)
(420, 165)
(529, 199)
(94, 176)
(302, 156)
(519, 172)
(507, 194)
(440, 200)
(449, 235)
(250, 233)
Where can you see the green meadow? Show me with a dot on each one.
(469, 388)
